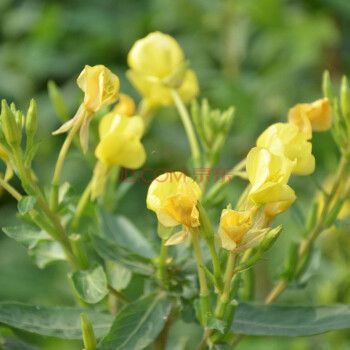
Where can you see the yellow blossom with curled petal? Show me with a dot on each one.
(233, 226)
(157, 62)
(126, 105)
(173, 197)
(120, 141)
(100, 85)
(269, 175)
(285, 139)
(315, 116)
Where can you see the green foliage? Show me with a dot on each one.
(60, 322)
(138, 324)
(90, 285)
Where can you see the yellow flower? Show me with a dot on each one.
(269, 175)
(126, 105)
(285, 139)
(101, 88)
(173, 197)
(233, 226)
(157, 63)
(120, 141)
(100, 85)
(315, 116)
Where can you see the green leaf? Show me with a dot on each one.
(292, 321)
(26, 235)
(215, 323)
(16, 344)
(46, 253)
(60, 322)
(138, 323)
(119, 277)
(113, 252)
(90, 285)
(26, 204)
(122, 231)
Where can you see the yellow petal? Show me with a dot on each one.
(276, 208)
(272, 192)
(297, 115)
(126, 105)
(121, 149)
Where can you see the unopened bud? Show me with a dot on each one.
(332, 215)
(11, 130)
(57, 101)
(126, 105)
(88, 333)
(327, 87)
(32, 118)
(291, 261)
(270, 238)
(205, 227)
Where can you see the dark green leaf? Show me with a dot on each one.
(27, 235)
(60, 322)
(90, 285)
(278, 320)
(27, 204)
(46, 253)
(113, 252)
(215, 323)
(138, 324)
(122, 231)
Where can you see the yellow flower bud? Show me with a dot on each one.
(173, 197)
(269, 175)
(285, 139)
(120, 141)
(126, 105)
(100, 85)
(233, 226)
(156, 62)
(315, 116)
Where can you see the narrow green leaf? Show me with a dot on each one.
(90, 285)
(341, 223)
(27, 235)
(27, 204)
(292, 321)
(113, 252)
(122, 231)
(222, 347)
(138, 324)
(46, 253)
(60, 322)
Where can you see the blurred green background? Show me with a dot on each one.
(262, 56)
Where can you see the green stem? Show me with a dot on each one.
(11, 190)
(59, 164)
(81, 205)
(204, 293)
(119, 295)
(216, 264)
(225, 297)
(161, 272)
(191, 135)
